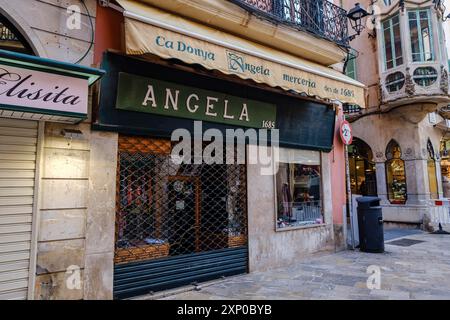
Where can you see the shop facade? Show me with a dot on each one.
(34, 91)
(397, 154)
(183, 223)
(45, 151)
(94, 206)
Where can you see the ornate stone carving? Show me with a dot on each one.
(401, 4)
(444, 80)
(424, 152)
(410, 88)
(379, 156)
(382, 96)
(409, 154)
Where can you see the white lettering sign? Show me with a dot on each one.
(36, 90)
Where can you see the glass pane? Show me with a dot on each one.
(388, 45)
(298, 186)
(423, 15)
(421, 33)
(395, 176)
(351, 68)
(398, 44)
(426, 40)
(413, 29)
(395, 20)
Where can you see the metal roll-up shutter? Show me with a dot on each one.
(18, 146)
(176, 223)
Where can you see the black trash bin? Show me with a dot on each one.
(370, 224)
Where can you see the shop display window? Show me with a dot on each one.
(431, 168)
(395, 174)
(363, 180)
(298, 189)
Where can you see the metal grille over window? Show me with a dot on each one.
(264, 5)
(425, 76)
(166, 209)
(320, 17)
(395, 81)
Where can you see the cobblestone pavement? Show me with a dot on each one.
(420, 271)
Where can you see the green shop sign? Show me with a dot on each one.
(141, 94)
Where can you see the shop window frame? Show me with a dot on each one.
(322, 200)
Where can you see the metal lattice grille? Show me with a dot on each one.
(165, 209)
(264, 5)
(320, 17)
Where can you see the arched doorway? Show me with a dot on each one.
(363, 179)
(395, 174)
(11, 39)
(431, 168)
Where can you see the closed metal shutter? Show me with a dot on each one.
(176, 224)
(18, 145)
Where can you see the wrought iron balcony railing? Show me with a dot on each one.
(319, 17)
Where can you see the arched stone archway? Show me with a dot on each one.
(22, 26)
(363, 178)
(395, 174)
(432, 171)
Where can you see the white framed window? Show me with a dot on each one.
(392, 42)
(298, 189)
(421, 35)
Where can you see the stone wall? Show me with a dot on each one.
(43, 23)
(270, 249)
(63, 206)
(410, 127)
(76, 195)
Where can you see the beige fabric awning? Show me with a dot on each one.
(150, 30)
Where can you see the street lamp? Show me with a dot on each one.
(356, 16)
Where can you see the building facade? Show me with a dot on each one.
(402, 58)
(45, 157)
(98, 208)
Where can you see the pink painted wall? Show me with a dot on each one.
(337, 159)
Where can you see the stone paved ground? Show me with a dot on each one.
(421, 271)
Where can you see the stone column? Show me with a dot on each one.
(381, 182)
(100, 220)
(417, 181)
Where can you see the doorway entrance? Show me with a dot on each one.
(362, 169)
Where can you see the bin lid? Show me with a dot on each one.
(368, 202)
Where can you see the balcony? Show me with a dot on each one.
(311, 29)
(318, 17)
(413, 64)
